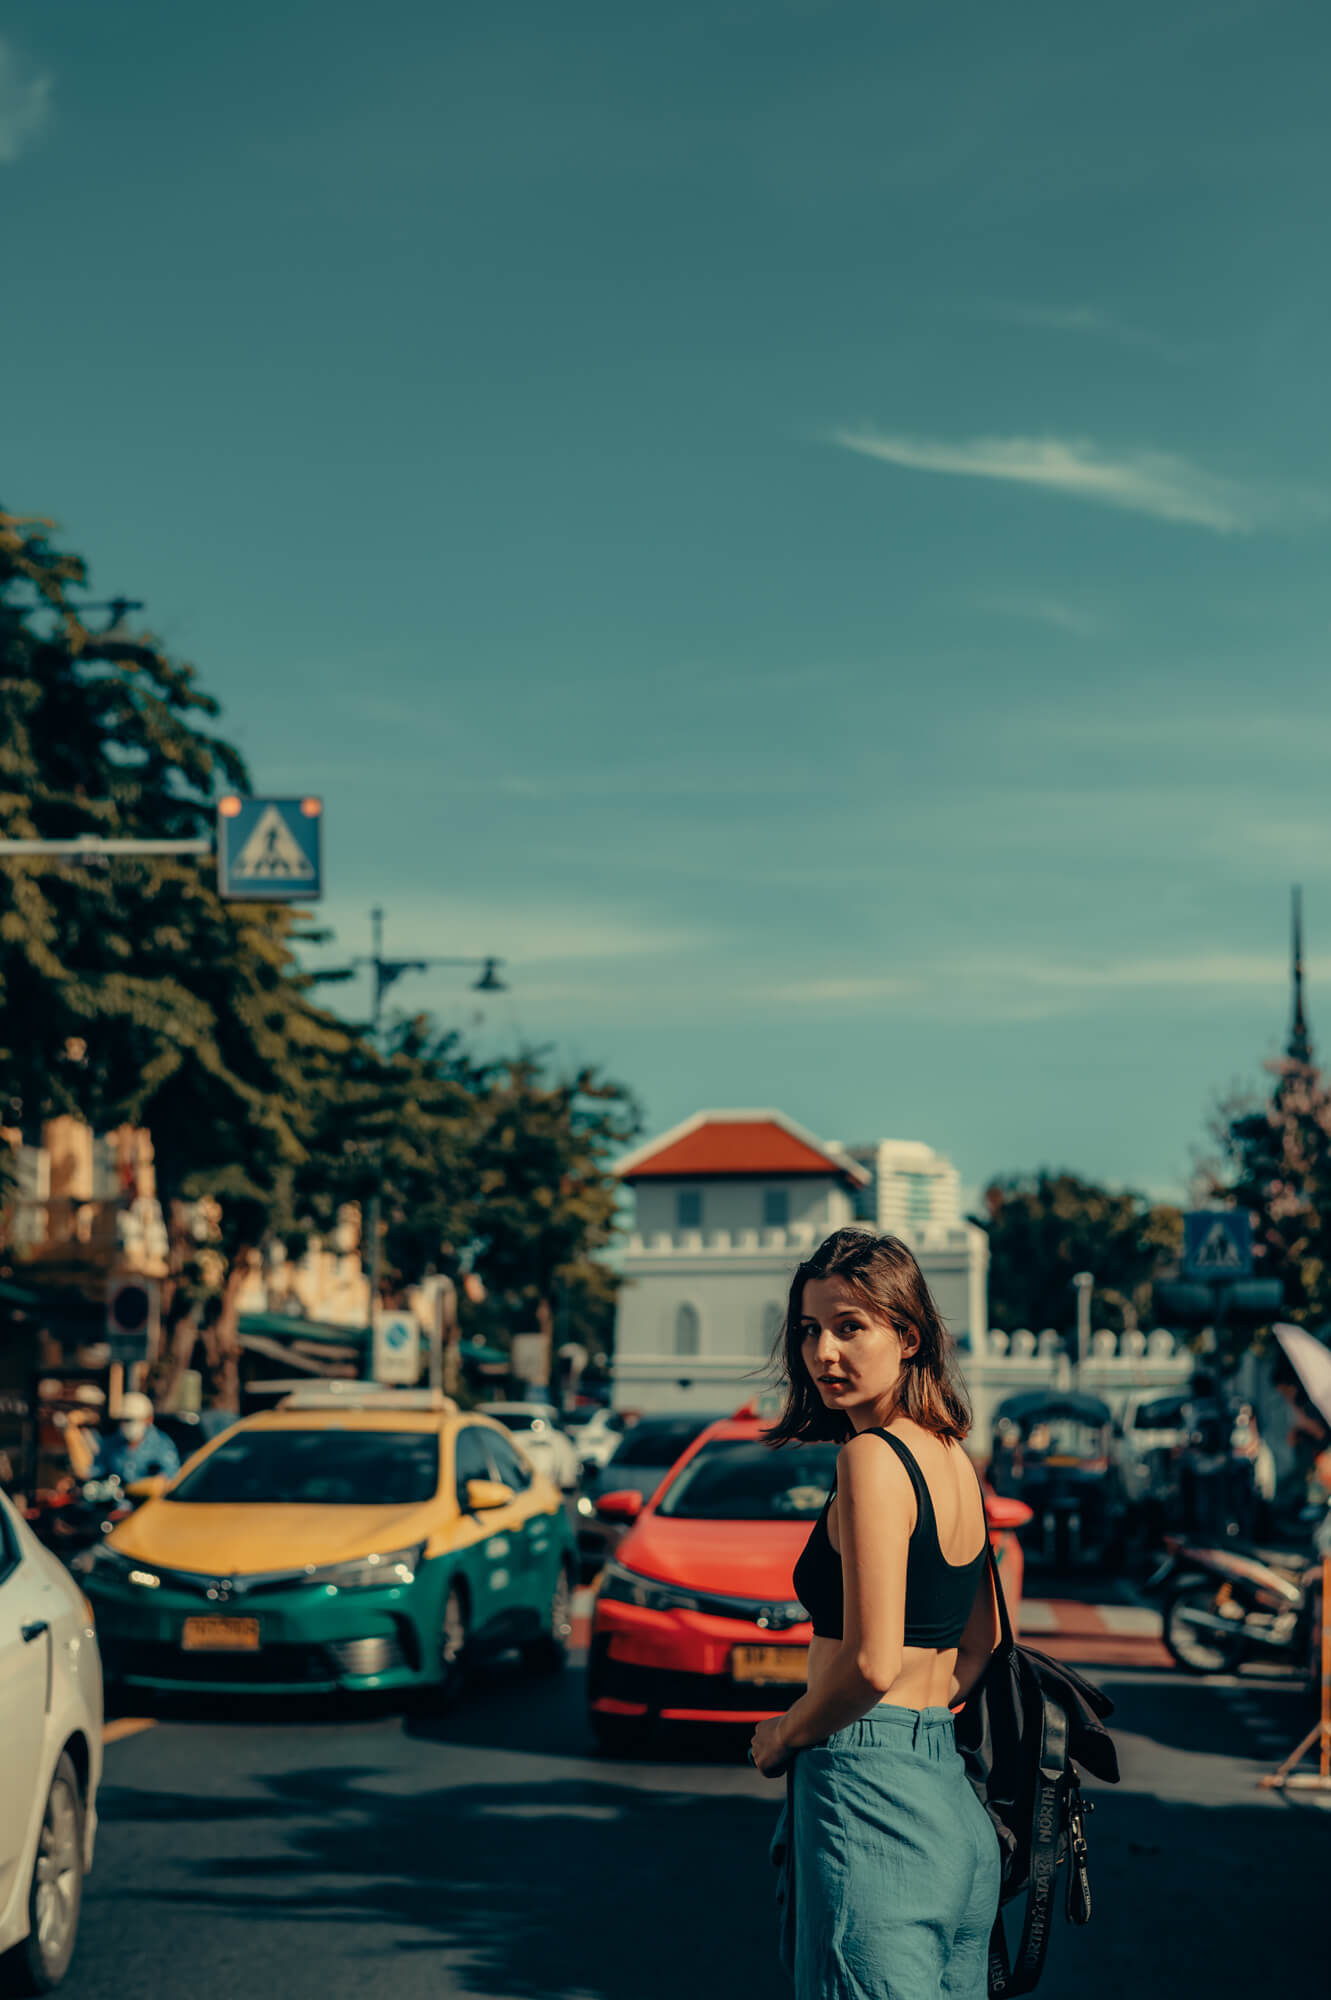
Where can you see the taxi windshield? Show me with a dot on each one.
(734, 1480)
(330, 1468)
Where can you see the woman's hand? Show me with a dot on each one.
(768, 1751)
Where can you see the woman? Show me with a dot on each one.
(895, 1863)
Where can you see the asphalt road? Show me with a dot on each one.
(327, 1856)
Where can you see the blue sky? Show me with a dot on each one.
(802, 526)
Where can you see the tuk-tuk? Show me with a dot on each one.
(1051, 1449)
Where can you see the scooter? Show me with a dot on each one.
(1223, 1606)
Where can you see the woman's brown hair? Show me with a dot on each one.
(884, 1276)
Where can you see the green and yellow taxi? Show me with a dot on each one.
(350, 1538)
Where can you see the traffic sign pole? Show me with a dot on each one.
(268, 850)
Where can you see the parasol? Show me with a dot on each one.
(1312, 1364)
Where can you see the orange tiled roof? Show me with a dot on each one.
(736, 1147)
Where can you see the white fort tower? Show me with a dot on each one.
(728, 1203)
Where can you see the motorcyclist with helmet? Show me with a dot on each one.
(135, 1449)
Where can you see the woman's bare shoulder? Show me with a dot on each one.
(866, 1464)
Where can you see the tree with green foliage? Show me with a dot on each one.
(130, 992)
(1274, 1160)
(401, 1127)
(1045, 1227)
(546, 1201)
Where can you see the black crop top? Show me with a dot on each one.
(939, 1594)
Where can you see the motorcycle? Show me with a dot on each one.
(1224, 1606)
(75, 1520)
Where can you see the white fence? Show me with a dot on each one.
(1116, 1367)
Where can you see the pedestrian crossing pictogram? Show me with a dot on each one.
(1217, 1244)
(271, 852)
(1218, 1251)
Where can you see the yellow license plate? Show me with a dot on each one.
(220, 1635)
(769, 1663)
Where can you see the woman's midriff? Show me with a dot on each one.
(925, 1680)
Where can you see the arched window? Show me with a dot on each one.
(688, 1330)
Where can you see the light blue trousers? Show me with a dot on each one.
(889, 1865)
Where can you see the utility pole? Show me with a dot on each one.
(1085, 1284)
(385, 973)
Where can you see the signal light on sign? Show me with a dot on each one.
(229, 806)
(311, 807)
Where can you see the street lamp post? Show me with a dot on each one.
(387, 971)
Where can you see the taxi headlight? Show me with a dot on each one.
(377, 1572)
(627, 1586)
(102, 1560)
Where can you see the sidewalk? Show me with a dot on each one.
(1124, 1635)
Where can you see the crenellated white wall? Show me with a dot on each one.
(1119, 1365)
(736, 1275)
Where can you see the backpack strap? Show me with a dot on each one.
(1007, 1644)
(1050, 1803)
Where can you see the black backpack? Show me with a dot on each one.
(1026, 1726)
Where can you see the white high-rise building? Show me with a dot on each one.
(913, 1188)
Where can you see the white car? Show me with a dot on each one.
(50, 1757)
(537, 1430)
(1146, 1433)
(595, 1437)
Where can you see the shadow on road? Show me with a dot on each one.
(499, 1859)
(598, 1889)
(1189, 1899)
(580, 1886)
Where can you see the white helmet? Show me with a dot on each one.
(136, 1408)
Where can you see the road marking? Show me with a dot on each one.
(127, 1725)
(1136, 1621)
(1037, 1615)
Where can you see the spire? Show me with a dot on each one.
(1299, 1047)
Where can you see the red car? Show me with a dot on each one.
(694, 1618)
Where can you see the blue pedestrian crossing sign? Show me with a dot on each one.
(1217, 1244)
(269, 850)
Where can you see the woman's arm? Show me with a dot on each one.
(875, 1516)
(977, 1641)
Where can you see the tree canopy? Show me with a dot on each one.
(545, 1200)
(1274, 1161)
(1045, 1227)
(132, 992)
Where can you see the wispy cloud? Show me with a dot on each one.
(1162, 484)
(25, 102)
(724, 782)
(1052, 611)
(520, 931)
(834, 991)
(1218, 970)
(1088, 321)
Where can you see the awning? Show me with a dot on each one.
(304, 1364)
(482, 1356)
(309, 1332)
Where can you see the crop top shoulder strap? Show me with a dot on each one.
(927, 1520)
(939, 1594)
